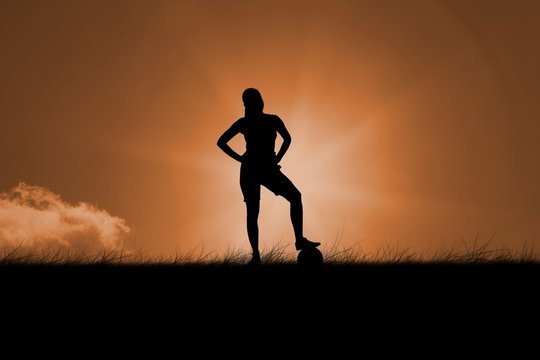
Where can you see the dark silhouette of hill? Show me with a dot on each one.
(340, 308)
(283, 284)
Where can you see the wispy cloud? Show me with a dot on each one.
(33, 217)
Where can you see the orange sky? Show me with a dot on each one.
(412, 121)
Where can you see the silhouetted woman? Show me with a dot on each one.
(260, 167)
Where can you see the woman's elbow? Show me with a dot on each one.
(221, 142)
(287, 140)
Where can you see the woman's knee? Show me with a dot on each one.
(252, 210)
(294, 197)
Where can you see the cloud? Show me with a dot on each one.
(33, 217)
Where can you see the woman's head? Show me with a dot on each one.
(253, 101)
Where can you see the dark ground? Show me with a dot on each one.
(348, 285)
(355, 303)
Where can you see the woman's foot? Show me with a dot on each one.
(255, 260)
(305, 243)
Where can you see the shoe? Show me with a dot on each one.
(255, 260)
(305, 243)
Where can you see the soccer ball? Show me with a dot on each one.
(310, 257)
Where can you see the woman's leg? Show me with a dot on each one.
(282, 185)
(252, 208)
(297, 213)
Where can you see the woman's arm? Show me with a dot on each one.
(282, 130)
(224, 139)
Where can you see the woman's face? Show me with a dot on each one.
(253, 101)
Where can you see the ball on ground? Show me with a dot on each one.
(310, 257)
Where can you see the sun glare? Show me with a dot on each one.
(337, 188)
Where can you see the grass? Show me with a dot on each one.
(477, 284)
(475, 252)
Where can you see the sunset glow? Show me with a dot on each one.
(412, 122)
